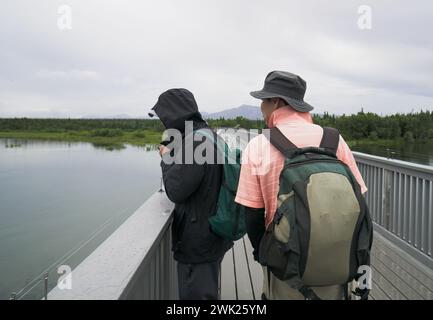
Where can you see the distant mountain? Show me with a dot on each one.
(122, 116)
(246, 111)
(116, 116)
(100, 116)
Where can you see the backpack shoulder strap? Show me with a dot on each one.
(280, 141)
(330, 139)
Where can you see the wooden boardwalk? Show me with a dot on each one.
(396, 274)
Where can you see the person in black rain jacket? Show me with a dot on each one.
(194, 189)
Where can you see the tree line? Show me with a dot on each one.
(410, 127)
(58, 125)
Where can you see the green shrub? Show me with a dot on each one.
(139, 134)
(106, 133)
(408, 137)
(373, 136)
(115, 133)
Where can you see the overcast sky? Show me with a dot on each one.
(120, 55)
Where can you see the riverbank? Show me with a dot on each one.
(117, 139)
(137, 138)
(109, 138)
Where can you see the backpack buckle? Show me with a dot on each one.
(277, 217)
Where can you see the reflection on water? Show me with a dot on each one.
(421, 153)
(61, 200)
(16, 143)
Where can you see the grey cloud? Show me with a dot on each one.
(119, 56)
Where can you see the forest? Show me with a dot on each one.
(362, 126)
(411, 127)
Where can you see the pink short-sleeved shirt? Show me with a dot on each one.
(262, 163)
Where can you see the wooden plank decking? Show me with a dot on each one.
(396, 274)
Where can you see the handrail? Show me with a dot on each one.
(391, 163)
(120, 267)
(400, 199)
(136, 262)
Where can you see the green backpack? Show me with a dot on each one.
(322, 231)
(229, 220)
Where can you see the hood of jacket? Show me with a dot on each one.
(175, 106)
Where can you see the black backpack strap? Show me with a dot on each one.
(308, 293)
(279, 141)
(346, 291)
(330, 139)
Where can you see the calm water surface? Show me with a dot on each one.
(58, 201)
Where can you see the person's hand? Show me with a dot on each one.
(163, 149)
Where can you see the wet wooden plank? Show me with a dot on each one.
(376, 293)
(256, 270)
(386, 286)
(388, 245)
(418, 286)
(245, 288)
(395, 280)
(243, 260)
(404, 261)
(396, 275)
(228, 277)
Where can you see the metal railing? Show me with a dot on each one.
(48, 278)
(135, 262)
(400, 198)
(156, 279)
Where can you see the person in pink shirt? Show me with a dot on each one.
(283, 107)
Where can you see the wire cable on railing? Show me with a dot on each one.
(19, 296)
(65, 257)
(23, 292)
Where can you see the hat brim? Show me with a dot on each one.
(298, 105)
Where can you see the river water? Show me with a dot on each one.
(59, 201)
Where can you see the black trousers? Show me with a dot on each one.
(198, 281)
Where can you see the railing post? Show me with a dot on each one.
(160, 186)
(386, 204)
(13, 296)
(46, 286)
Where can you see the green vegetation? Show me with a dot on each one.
(113, 139)
(106, 133)
(239, 121)
(363, 128)
(360, 128)
(412, 127)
